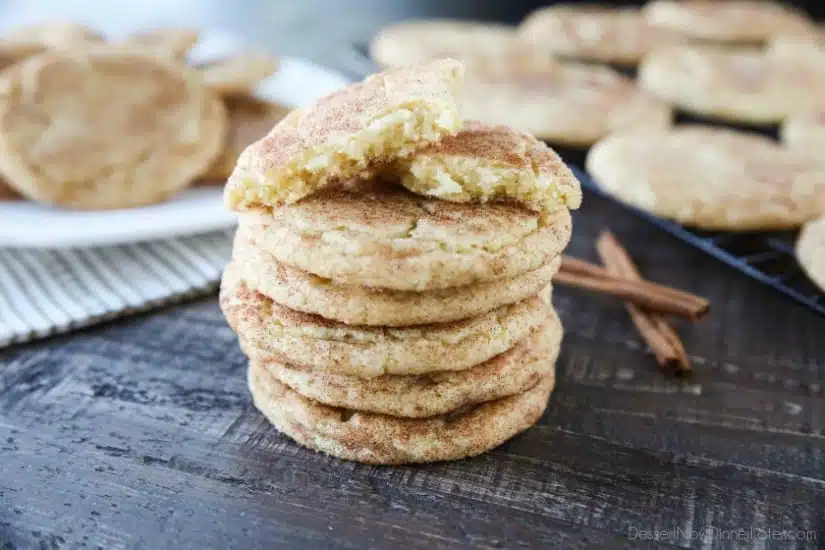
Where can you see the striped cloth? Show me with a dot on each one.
(46, 292)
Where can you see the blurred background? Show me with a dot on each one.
(314, 29)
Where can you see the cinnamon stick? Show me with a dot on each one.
(651, 296)
(657, 334)
(697, 303)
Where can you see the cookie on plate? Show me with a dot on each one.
(249, 120)
(176, 41)
(620, 36)
(381, 439)
(100, 127)
(810, 250)
(805, 134)
(239, 75)
(745, 86)
(360, 305)
(512, 372)
(711, 178)
(272, 332)
(377, 234)
(571, 104)
(486, 163)
(473, 42)
(731, 21)
(347, 134)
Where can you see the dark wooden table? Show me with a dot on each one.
(141, 434)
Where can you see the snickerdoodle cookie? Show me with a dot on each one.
(621, 36)
(415, 41)
(274, 332)
(105, 127)
(380, 439)
(570, 104)
(746, 86)
(360, 305)
(424, 395)
(731, 21)
(711, 178)
(380, 235)
(348, 133)
(485, 163)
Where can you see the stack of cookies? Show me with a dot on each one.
(391, 273)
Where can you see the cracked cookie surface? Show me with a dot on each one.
(105, 127)
(272, 332)
(711, 178)
(347, 134)
(418, 396)
(360, 305)
(381, 439)
(380, 235)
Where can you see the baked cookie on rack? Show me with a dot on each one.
(744, 86)
(711, 178)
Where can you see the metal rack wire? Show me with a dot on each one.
(767, 257)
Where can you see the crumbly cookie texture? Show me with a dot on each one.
(380, 439)
(745, 86)
(621, 36)
(686, 175)
(99, 127)
(381, 235)
(272, 332)
(419, 396)
(810, 249)
(387, 116)
(484, 163)
(360, 305)
(732, 21)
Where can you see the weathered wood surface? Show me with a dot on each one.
(141, 434)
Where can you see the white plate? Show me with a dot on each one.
(199, 210)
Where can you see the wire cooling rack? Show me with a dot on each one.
(767, 257)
